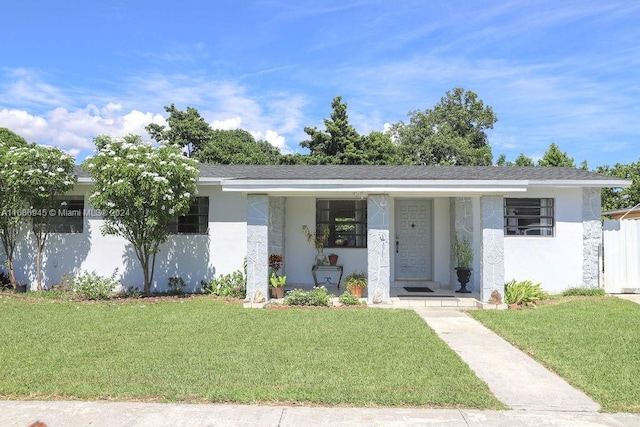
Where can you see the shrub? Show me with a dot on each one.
(348, 299)
(317, 297)
(584, 292)
(176, 285)
(90, 285)
(232, 285)
(524, 292)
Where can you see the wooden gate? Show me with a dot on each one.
(621, 243)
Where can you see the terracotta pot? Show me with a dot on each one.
(333, 259)
(278, 292)
(356, 291)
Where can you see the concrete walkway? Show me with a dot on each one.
(629, 297)
(514, 378)
(76, 414)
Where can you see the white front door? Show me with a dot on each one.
(413, 251)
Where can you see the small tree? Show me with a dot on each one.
(554, 157)
(41, 173)
(11, 218)
(140, 188)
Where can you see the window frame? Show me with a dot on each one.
(65, 217)
(528, 223)
(182, 224)
(328, 214)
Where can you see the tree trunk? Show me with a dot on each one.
(39, 266)
(12, 273)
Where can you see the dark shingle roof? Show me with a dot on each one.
(348, 172)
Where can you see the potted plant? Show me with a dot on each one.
(355, 283)
(318, 241)
(278, 283)
(333, 259)
(463, 253)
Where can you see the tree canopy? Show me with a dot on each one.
(340, 143)
(11, 191)
(452, 133)
(40, 174)
(236, 147)
(187, 129)
(553, 157)
(620, 198)
(140, 189)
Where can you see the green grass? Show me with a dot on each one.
(205, 350)
(593, 342)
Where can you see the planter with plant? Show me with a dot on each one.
(463, 253)
(333, 259)
(277, 282)
(355, 283)
(318, 241)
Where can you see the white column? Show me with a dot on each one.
(378, 270)
(492, 246)
(591, 237)
(257, 247)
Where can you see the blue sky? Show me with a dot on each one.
(553, 71)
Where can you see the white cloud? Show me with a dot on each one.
(227, 124)
(272, 137)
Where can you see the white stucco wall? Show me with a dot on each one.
(194, 257)
(556, 261)
(300, 255)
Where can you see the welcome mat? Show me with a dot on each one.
(417, 289)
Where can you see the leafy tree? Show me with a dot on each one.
(236, 147)
(524, 161)
(187, 129)
(42, 174)
(11, 192)
(340, 143)
(553, 157)
(502, 160)
(452, 133)
(329, 146)
(620, 198)
(140, 189)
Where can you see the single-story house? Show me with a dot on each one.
(395, 223)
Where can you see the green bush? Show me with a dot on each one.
(232, 285)
(524, 292)
(348, 299)
(583, 292)
(176, 285)
(317, 297)
(90, 285)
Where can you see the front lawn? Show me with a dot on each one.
(593, 342)
(205, 350)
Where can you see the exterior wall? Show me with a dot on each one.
(194, 257)
(300, 255)
(556, 262)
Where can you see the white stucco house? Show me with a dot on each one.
(395, 223)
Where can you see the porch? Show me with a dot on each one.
(407, 244)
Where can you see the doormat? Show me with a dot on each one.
(417, 289)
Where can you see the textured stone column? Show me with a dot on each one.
(257, 247)
(461, 211)
(378, 270)
(277, 209)
(492, 246)
(591, 237)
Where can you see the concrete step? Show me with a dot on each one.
(450, 302)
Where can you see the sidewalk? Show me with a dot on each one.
(514, 378)
(77, 414)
